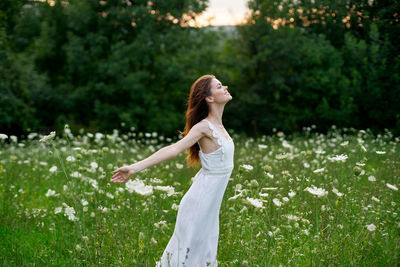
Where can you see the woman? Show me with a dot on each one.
(195, 239)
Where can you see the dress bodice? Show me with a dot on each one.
(220, 159)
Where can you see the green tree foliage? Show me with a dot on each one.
(97, 63)
(18, 77)
(316, 62)
(108, 62)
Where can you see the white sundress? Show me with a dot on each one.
(194, 241)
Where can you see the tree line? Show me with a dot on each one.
(116, 64)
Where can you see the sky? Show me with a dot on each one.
(223, 12)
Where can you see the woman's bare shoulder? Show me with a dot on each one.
(203, 127)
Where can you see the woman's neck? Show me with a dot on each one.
(215, 115)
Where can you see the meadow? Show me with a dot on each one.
(308, 199)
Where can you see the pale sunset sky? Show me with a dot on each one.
(223, 12)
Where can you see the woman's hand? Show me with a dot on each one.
(122, 174)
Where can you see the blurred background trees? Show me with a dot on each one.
(96, 64)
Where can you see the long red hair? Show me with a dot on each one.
(197, 109)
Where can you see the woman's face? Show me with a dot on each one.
(219, 92)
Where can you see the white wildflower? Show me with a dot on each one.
(319, 170)
(175, 206)
(51, 193)
(103, 209)
(94, 183)
(255, 202)
(380, 152)
(392, 187)
(282, 156)
(371, 227)
(84, 202)
(341, 158)
(94, 165)
(48, 137)
(71, 159)
(162, 224)
(76, 174)
(139, 187)
(179, 166)
(243, 209)
(285, 199)
(169, 189)
(277, 202)
(3, 136)
(371, 178)
(375, 199)
(345, 143)
(57, 210)
(286, 144)
(334, 190)
(235, 196)
(156, 181)
(292, 217)
(306, 165)
(70, 212)
(99, 136)
(291, 193)
(269, 188)
(316, 191)
(53, 169)
(247, 167)
(363, 148)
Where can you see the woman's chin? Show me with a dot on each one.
(229, 99)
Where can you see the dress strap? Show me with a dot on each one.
(215, 133)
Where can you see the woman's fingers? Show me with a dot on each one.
(115, 177)
(119, 180)
(115, 180)
(116, 172)
(119, 175)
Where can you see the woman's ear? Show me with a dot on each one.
(209, 99)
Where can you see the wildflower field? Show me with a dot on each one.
(302, 200)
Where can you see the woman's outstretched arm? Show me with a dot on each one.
(124, 173)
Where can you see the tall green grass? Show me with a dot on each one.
(359, 225)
